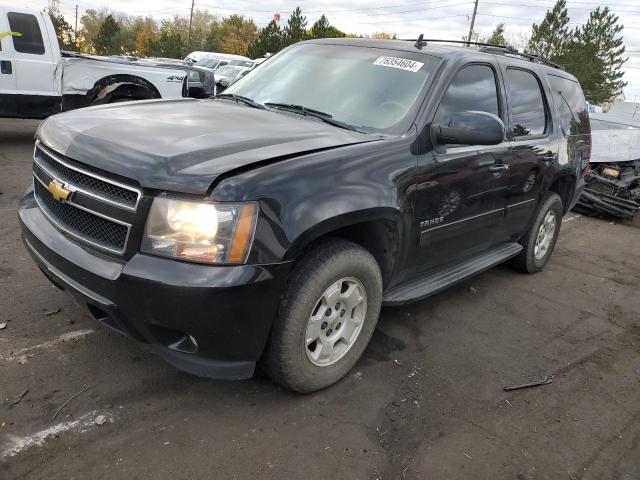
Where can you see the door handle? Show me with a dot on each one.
(501, 167)
(5, 67)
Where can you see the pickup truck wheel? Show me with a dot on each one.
(326, 318)
(541, 237)
(122, 92)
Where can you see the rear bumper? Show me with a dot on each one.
(210, 321)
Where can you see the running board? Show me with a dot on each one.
(437, 280)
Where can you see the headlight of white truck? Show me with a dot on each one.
(205, 232)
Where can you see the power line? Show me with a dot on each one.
(412, 20)
(574, 8)
(428, 4)
(537, 20)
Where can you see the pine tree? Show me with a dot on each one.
(323, 29)
(497, 37)
(552, 35)
(601, 36)
(64, 32)
(268, 41)
(296, 29)
(170, 43)
(581, 61)
(104, 42)
(320, 28)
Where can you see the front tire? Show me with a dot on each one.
(326, 317)
(539, 241)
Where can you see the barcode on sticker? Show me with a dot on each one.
(401, 63)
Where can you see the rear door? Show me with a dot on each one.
(7, 75)
(534, 145)
(35, 63)
(461, 189)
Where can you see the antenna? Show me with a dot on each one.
(420, 42)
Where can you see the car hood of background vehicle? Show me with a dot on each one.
(184, 145)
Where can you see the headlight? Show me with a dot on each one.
(200, 231)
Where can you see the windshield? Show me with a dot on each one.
(368, 88)
(228, 71)
(241, 63)
(208, 62)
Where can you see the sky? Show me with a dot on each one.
(443, 19)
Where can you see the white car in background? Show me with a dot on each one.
(250, 64)
(197, 56)
(228, 74)
(38, 80)
(615, 137)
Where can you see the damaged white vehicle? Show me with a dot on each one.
(38, 80)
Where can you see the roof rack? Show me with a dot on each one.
(489, 48)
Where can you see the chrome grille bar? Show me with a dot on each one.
(97, 186)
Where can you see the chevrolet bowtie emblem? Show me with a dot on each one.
(58, 191)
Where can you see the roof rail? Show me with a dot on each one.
(489, 48)
(537, 58)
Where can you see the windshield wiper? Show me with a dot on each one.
(240, 98)
(325, 117)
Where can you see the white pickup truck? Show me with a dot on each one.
(38, 80)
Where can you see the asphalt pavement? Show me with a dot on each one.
(426, 401)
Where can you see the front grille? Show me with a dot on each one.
(107, 190)
(94, 210)
(80, 223)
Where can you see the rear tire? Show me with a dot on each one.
(540, 239)
(335, 292)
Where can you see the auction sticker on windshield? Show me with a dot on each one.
(401, 63)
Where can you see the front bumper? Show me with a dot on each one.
(211, 321)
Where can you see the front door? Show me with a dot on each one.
(36, 64)
(534, 148)
(7, 75)
(461, 189)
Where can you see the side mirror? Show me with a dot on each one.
(470, 128)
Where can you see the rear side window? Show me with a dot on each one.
(30, 40)
(528, 114)
(472, 88)
(574, 116)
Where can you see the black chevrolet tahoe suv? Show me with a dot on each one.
(268, 225)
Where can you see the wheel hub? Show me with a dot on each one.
(545, 235)
(335, 322)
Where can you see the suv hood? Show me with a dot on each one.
(184, 145)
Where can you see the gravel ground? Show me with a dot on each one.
(425, 402)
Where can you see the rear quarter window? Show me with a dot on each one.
(572, 106)
(30, 39)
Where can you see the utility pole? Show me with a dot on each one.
(75, 36)
(190, 23)
(473, 21)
